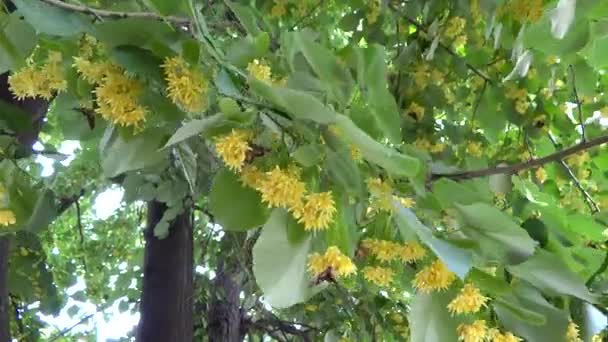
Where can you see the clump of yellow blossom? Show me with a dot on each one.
(251, 176)
(434, 277)
(578, 159)
(381, 194)
(39, 81)
(454, 27)
(186, 85)
(280, 188)
(117, 99)
(333, 260)
(541, 175)
(373, 12)
(259, 70)
(469, 300)
(356, 154)
(415, 111)
(317, 211)
(233, 148)
(520, 96)
(383, 250)
(475, 332)
(407, 202)
(380, 276)
(572, 333)
(7, 217)
(474, 149)
(425, 145)
(523, 10)
(506, 336)
(422, 76)
(94, 72)
(279, 9)
(411, 251)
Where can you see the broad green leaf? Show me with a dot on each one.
(526, 315)
(344, 171)
(142, 32)
(17, 41)
(309, 155)
(487, 282)
(52, 20)
(343, 232)
(279, 265)
(234, 206)
(449, 193)
(325, 65)
(430, 319)
(168, 7)
(394, 162)
(598, 47)
(299, 104)
(198, 127)
(531, 300)
(137, 152)
(498, 235)
(43, 213)
(587, 227)
(585, 77)
(457, 259)
(246, 17)
(140, 62)
(538, 36)
(548, 272)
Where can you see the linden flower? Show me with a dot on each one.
(279, 188)
(541, 175)
(454, 27)
(474, 148)
(415, 111)
(434, 277)
(356, 154)
(469, 300)
(279, 9)
(251, 176)
(259, 70)
(572, 333)
(334, 260)
(7, 217)
(411, 251)
(380, 276)
(407, 202)
(187, 86)
(503, 337)
(117, 100)
(94, 72)
(317, 212)
(233, 148)
(475, 332)
(44, 81)
(383, 250)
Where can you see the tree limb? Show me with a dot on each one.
(115, 14)
(532, 163)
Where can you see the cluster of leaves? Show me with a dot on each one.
(384, 105)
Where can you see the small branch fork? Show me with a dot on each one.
(532, 163)
(578, 103)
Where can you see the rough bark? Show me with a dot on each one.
(5, 331)
(224, 314)
(167, 297)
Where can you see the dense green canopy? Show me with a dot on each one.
(363, 170)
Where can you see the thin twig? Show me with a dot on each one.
(67, 330)
(586, 195)
(99, 13)
(79, 223)
(477, 103)
(599, 271)
(578, 103)
(532, 163)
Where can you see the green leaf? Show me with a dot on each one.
(531, 300)
(50, 19)
(457, 259)
(538, 36)
(279, 265)
(496, 232)
(138, 152)
(488, 283)
(449, 193)
(309, 155)
(549, 273)
(204, 127)
(168, 7)
(142, 32)
(246, 17)
(394, 162)
(585, 77)
(598, 47)
(299, 104)
(430, 319)
(43, 213)
(17, 41)
(325, 65)
(344, 171)
(534, 318)
(234, 206)
(140, 62)
(587, 227)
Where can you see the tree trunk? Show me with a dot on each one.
(5, 331)
(167, 297)
(224, 314)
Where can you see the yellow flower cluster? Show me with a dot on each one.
(523, 10)
(259, 70)
(333, 260)
(39, 81)
(506, 336)
(415, 111)
(474, 149)
(578, 159)
(434, 277)
(117, 96)
(387, 251)
(7, 217)
(279, 9)
(233, 148)
(373, 12)
(572, 333)
(422, 76)
(469, 300)
(520, 96)
(425, 145)
(281, 188)
(187, 86)
(381, 276)
(454, 27)
(475, 332)
(541, 175)
(381, 196)
(317, 212)
(94, 72)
